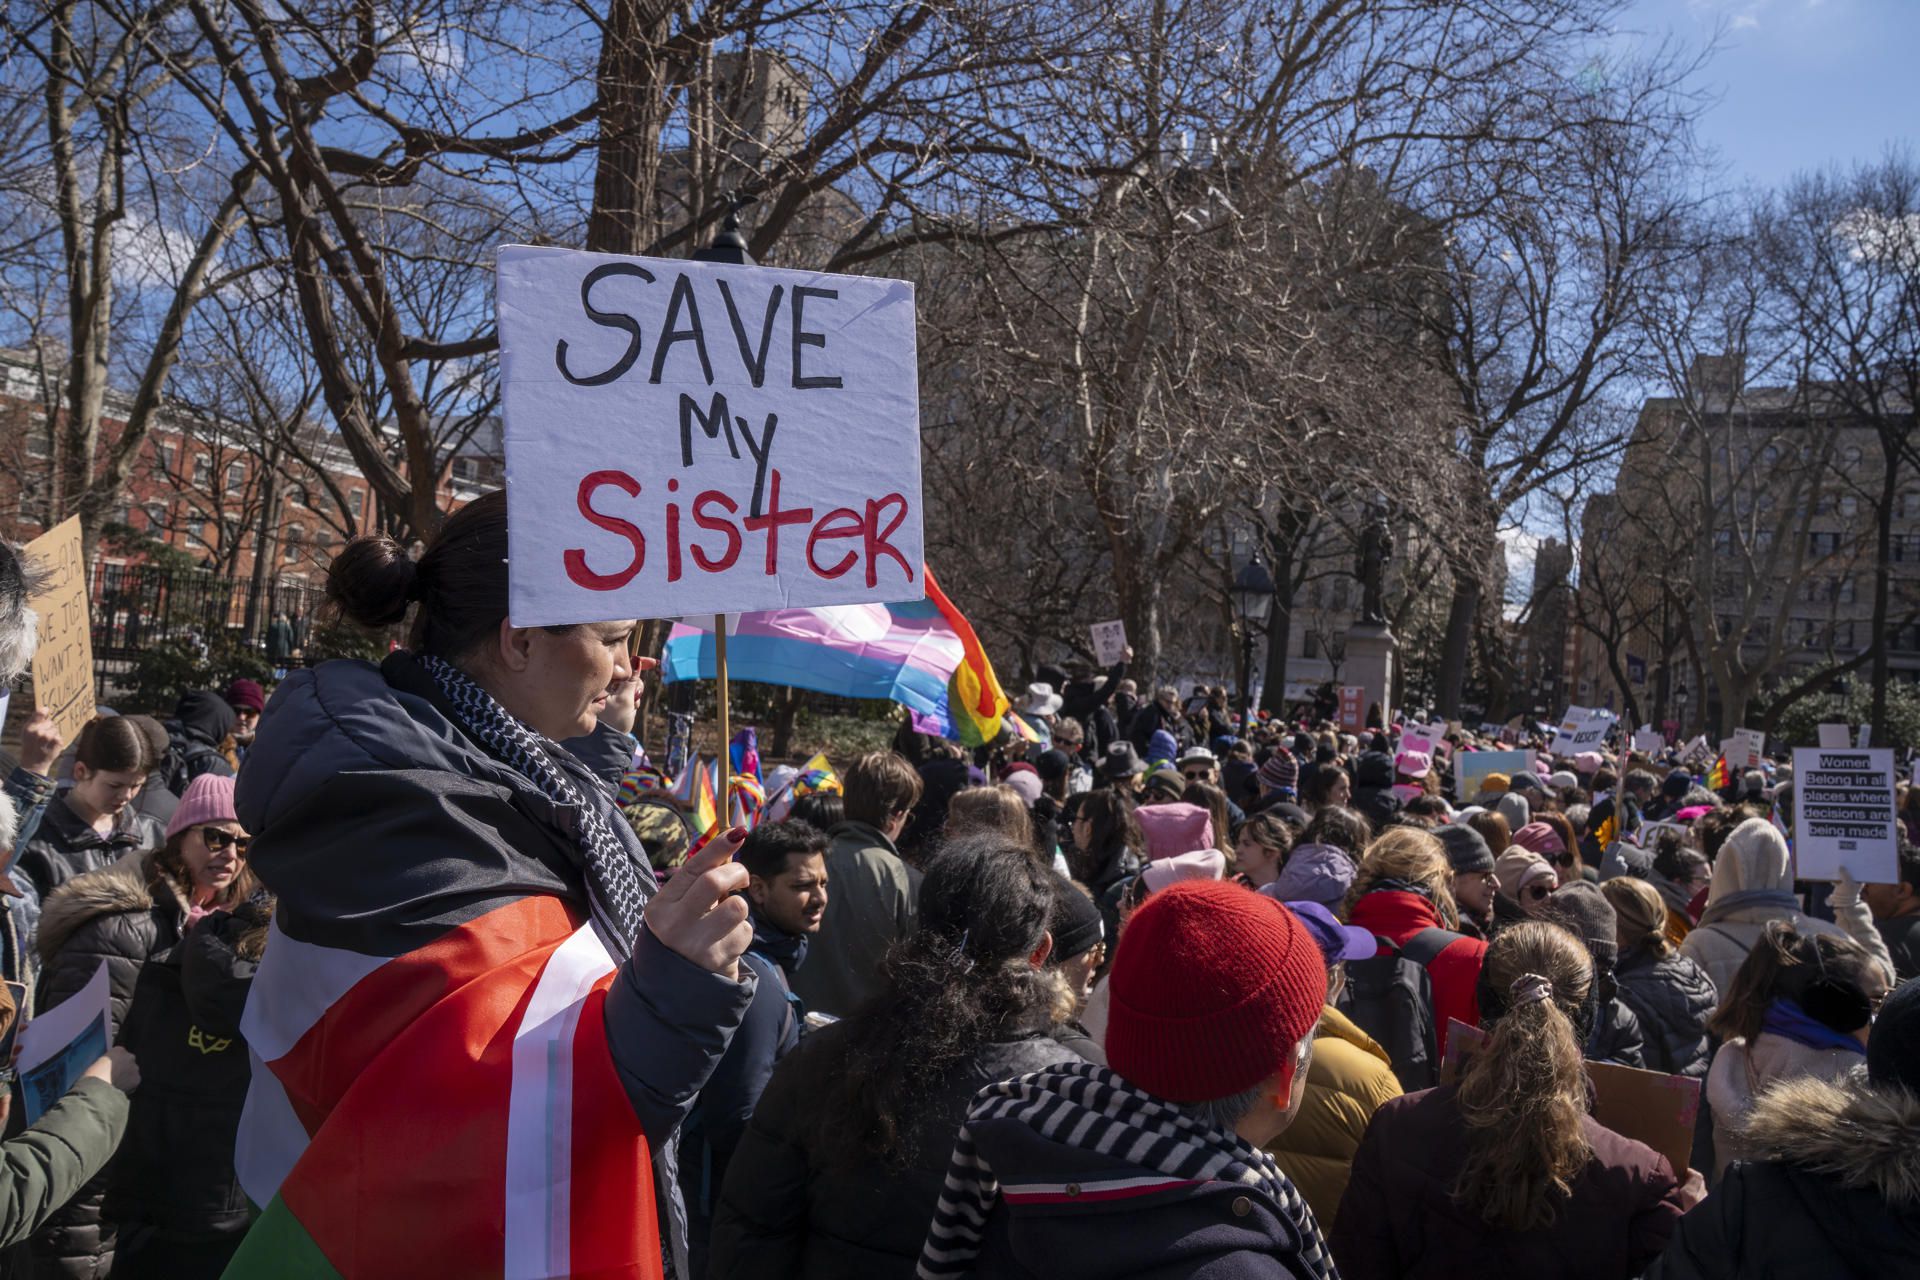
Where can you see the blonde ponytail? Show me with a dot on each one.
(1524, 1095)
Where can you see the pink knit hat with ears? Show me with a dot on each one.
(209, 798)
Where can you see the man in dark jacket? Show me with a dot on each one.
(1162, 713)
(1153, 1167)
(1617, 816)
(788, 895)
(201, 722)
(1090, 704)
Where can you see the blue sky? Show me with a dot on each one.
(1801, 84)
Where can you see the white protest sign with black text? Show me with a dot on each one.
(1109, 642)
(689, 438)
(1749, 749)
(1580, 730)
(1843, 815)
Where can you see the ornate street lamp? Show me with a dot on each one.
(1252, 602)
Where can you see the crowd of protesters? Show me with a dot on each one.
(1164, 992)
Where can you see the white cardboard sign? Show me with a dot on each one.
(1833, 737)
(1843, 815)
(697, 438)
(1580, 730)
(1109, 642)
(1650, 741)
(1749, 749)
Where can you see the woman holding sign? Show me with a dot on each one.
(474, 995)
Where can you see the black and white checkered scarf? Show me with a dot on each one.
(1092, 1109)
(615, 895)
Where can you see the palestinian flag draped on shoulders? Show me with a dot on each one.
(381, 1082)
(433, 1092)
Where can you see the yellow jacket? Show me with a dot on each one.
(1348, 1081)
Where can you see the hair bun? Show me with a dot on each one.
(373, 580)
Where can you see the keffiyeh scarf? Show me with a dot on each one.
(1089, 1107)
(614, 894)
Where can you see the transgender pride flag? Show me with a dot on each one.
(921, 654)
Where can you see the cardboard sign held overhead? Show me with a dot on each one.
(689, 438)
(1650, 742)
(1749, 749)
(1353, 708)
(1580, 730)
(1843, 815)
(63, 664)
(1833, 737)
(1109, 642)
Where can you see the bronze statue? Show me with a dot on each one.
(1376, 548)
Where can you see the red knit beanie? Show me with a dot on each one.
(1212, 988)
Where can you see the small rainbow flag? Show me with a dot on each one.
(1717, 777)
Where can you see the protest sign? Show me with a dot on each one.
(1833, 737)
(1650, 742)
(1353, 708)
(1843, 815)
(1865, 737)
(690, 438)
(1647, 1106)
(1470, 769)
(1749, 749)
(63, 664)
(62, 1042)
(1416, 740)
(1695, 752)
(1580, 730)
(1109, 642)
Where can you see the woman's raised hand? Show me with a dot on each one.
(699, 912)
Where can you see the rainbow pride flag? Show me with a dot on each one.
(922, 654)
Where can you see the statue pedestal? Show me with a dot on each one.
(1369, 664)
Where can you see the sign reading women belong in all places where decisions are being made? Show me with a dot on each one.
(688, 438)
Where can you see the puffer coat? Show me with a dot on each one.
(1673, 997)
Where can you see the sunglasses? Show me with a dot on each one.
(218, 839)
(1536, 893)
(1195, 775)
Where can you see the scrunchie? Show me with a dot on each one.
(1528, 988)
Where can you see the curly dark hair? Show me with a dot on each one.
(959, 981)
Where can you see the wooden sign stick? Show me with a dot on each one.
(726, 723)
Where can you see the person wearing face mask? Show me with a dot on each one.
(127, 915)
(92, 824)
(461, 893)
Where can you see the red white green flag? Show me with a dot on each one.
(452, 1110)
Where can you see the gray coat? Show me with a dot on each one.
(1673, 997)
(870, 905)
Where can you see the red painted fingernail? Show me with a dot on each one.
(738, 833)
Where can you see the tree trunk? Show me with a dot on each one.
(1883, 557)
(634, 86)
(1456, 645)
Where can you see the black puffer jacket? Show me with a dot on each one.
(1617, 1036)
(1373, 789)
(786, 1214)
(126, 915)
(1837, 1197)
(1672, 997)
(65, 846)
(172, 1189)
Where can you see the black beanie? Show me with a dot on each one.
(1678, 783)
(1893, 1050)
(1466, 848)
(1589, 914)
(1076, 924)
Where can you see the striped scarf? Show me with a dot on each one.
(1090, 1108)
(615, 896)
